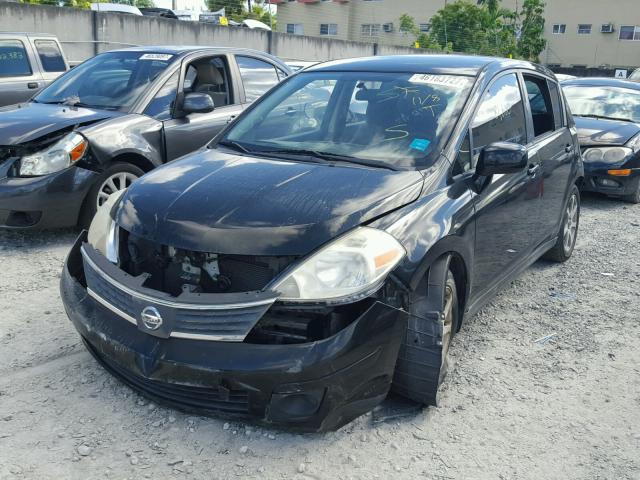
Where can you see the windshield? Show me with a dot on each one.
(603, 101)
(399, 120)
(112, 80)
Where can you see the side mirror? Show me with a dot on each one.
(501, 157)
(196, 102)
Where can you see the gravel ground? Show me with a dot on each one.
(512, 407)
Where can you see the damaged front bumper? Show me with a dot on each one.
(600, 179)
(311, 386)
(48, 201)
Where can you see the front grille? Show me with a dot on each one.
(212, 399)
(206, 321)
(173, 270)
(7, 152)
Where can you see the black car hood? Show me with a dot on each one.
(596, 131)
(224, 203)
(25, 122)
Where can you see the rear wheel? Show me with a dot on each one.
(434, 318)
(116, 177)
(563, 249)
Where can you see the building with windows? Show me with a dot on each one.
(376, 21)
(580, 34)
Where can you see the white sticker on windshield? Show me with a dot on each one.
(444, 80)
(156, 56)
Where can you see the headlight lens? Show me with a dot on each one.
(60, 155)
(607, 154)
(346, 269)
(103, 232)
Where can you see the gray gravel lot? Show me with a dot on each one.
(512, 408)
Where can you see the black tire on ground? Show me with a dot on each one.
(568, 234)
(121, 175)
(435, 317)
(635, 196)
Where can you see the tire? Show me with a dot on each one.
(568, 234)
(435, 317)
(119, 175)
(633, 197)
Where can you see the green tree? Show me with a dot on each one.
(459, 26)
(408, 25)
(531, 41)
(490, 29)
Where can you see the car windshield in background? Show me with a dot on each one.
(603, 102)
(396, 120)
(111, 81)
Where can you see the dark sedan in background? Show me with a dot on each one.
(607, 114)
(327, 246)
(118, 115)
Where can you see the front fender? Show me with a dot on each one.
(440, 222)
(131, 134)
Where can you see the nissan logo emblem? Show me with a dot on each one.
(151, 318)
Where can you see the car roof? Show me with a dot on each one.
(186, 49)
(453, 64)
(26, 34)
(602, 82)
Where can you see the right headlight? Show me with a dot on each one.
(103, 232)
(608, 155)
(350, 267)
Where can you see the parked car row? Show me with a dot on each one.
(323, 235)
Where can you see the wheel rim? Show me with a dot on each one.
(447, 328)
(570, 224)
(114, 183)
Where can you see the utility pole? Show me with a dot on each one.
(270, 15)
(249, 5)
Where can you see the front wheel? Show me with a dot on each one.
(635, 196)
(434, 318)
(563, 249)
(116, 177)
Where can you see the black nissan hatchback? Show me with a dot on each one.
(327, 245)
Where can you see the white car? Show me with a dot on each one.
(562, 77)
(116, 7)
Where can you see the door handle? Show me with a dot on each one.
(32, 85)
(231, 118)
(533, 169)
(568, 148)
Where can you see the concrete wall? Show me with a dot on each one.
(85, 33)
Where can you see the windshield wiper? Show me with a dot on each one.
(71, 103)
(311, 155)
(328, 157)
(234, 145)
(603, 117)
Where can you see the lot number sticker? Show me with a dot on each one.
(156, 56)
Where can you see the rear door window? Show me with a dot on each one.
(258, 76)
(556, 101)
(541, 105)
(500, 116)
(50, 56)
(14, 61)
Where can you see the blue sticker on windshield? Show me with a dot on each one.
(420, 144)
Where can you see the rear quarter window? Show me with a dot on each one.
(50, 56)
(14, 61)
